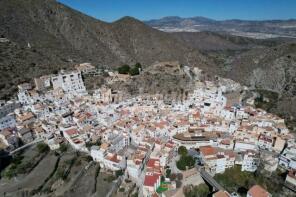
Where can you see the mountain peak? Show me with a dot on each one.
(128, 19)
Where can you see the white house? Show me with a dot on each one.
(7, 121)
(70, 82)
(76, 141)
(288, 158)
(250, 161)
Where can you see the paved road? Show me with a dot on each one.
(26, 145)
(173, 166)
(209, 179)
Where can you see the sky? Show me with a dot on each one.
(111, 10)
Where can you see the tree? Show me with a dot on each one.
(124, 69)
(119, 173)
(138, 65)
(200, 190)
(42, 147)
(182, 151)
(63, 148)
(168, 173)
(185, 161)
(134, 71)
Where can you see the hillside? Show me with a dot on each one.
(51, 35)
(266, 68)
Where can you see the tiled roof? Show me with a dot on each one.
(72, 132)
(151, 179)
(258, 191)
(207, 150)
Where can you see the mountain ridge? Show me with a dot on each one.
(62, 35)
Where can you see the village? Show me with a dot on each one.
(142, 136)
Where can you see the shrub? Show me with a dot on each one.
(119, 173)
(121, 189)
(124, 69)
(63, 148)
(134, 71)
(182, 151)
(138, 65)
(168, 173)
(42, 147)
(110, 178)
(200, 190)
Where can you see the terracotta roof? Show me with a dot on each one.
(196, 115)
(113, 158)
(151, 179)
(152, 163)
(6, 132)
(258, 191)
(207, 150)
(221, 194)
(72, 132)
(292, 174)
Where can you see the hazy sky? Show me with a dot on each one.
(110, 10)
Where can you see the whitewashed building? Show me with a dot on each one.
(70, 82)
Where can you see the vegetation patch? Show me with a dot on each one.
(110, 178)
(42, 148)
(233, 179)
(14, 168)
(63, 148)
(266, 100)
(185, 161)
(131, 70)
(164, 186)
(200, 190)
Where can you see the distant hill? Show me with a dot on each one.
(254, 29)
(215, 41)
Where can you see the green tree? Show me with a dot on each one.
(168, 173)
(124, 69)
(185, 161)
(42, 147)
(138, 65)
(63, 147)
(119, 173)
(182, 151)
(134, 71)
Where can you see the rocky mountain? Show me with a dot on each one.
(44, 36)
(254, 29)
